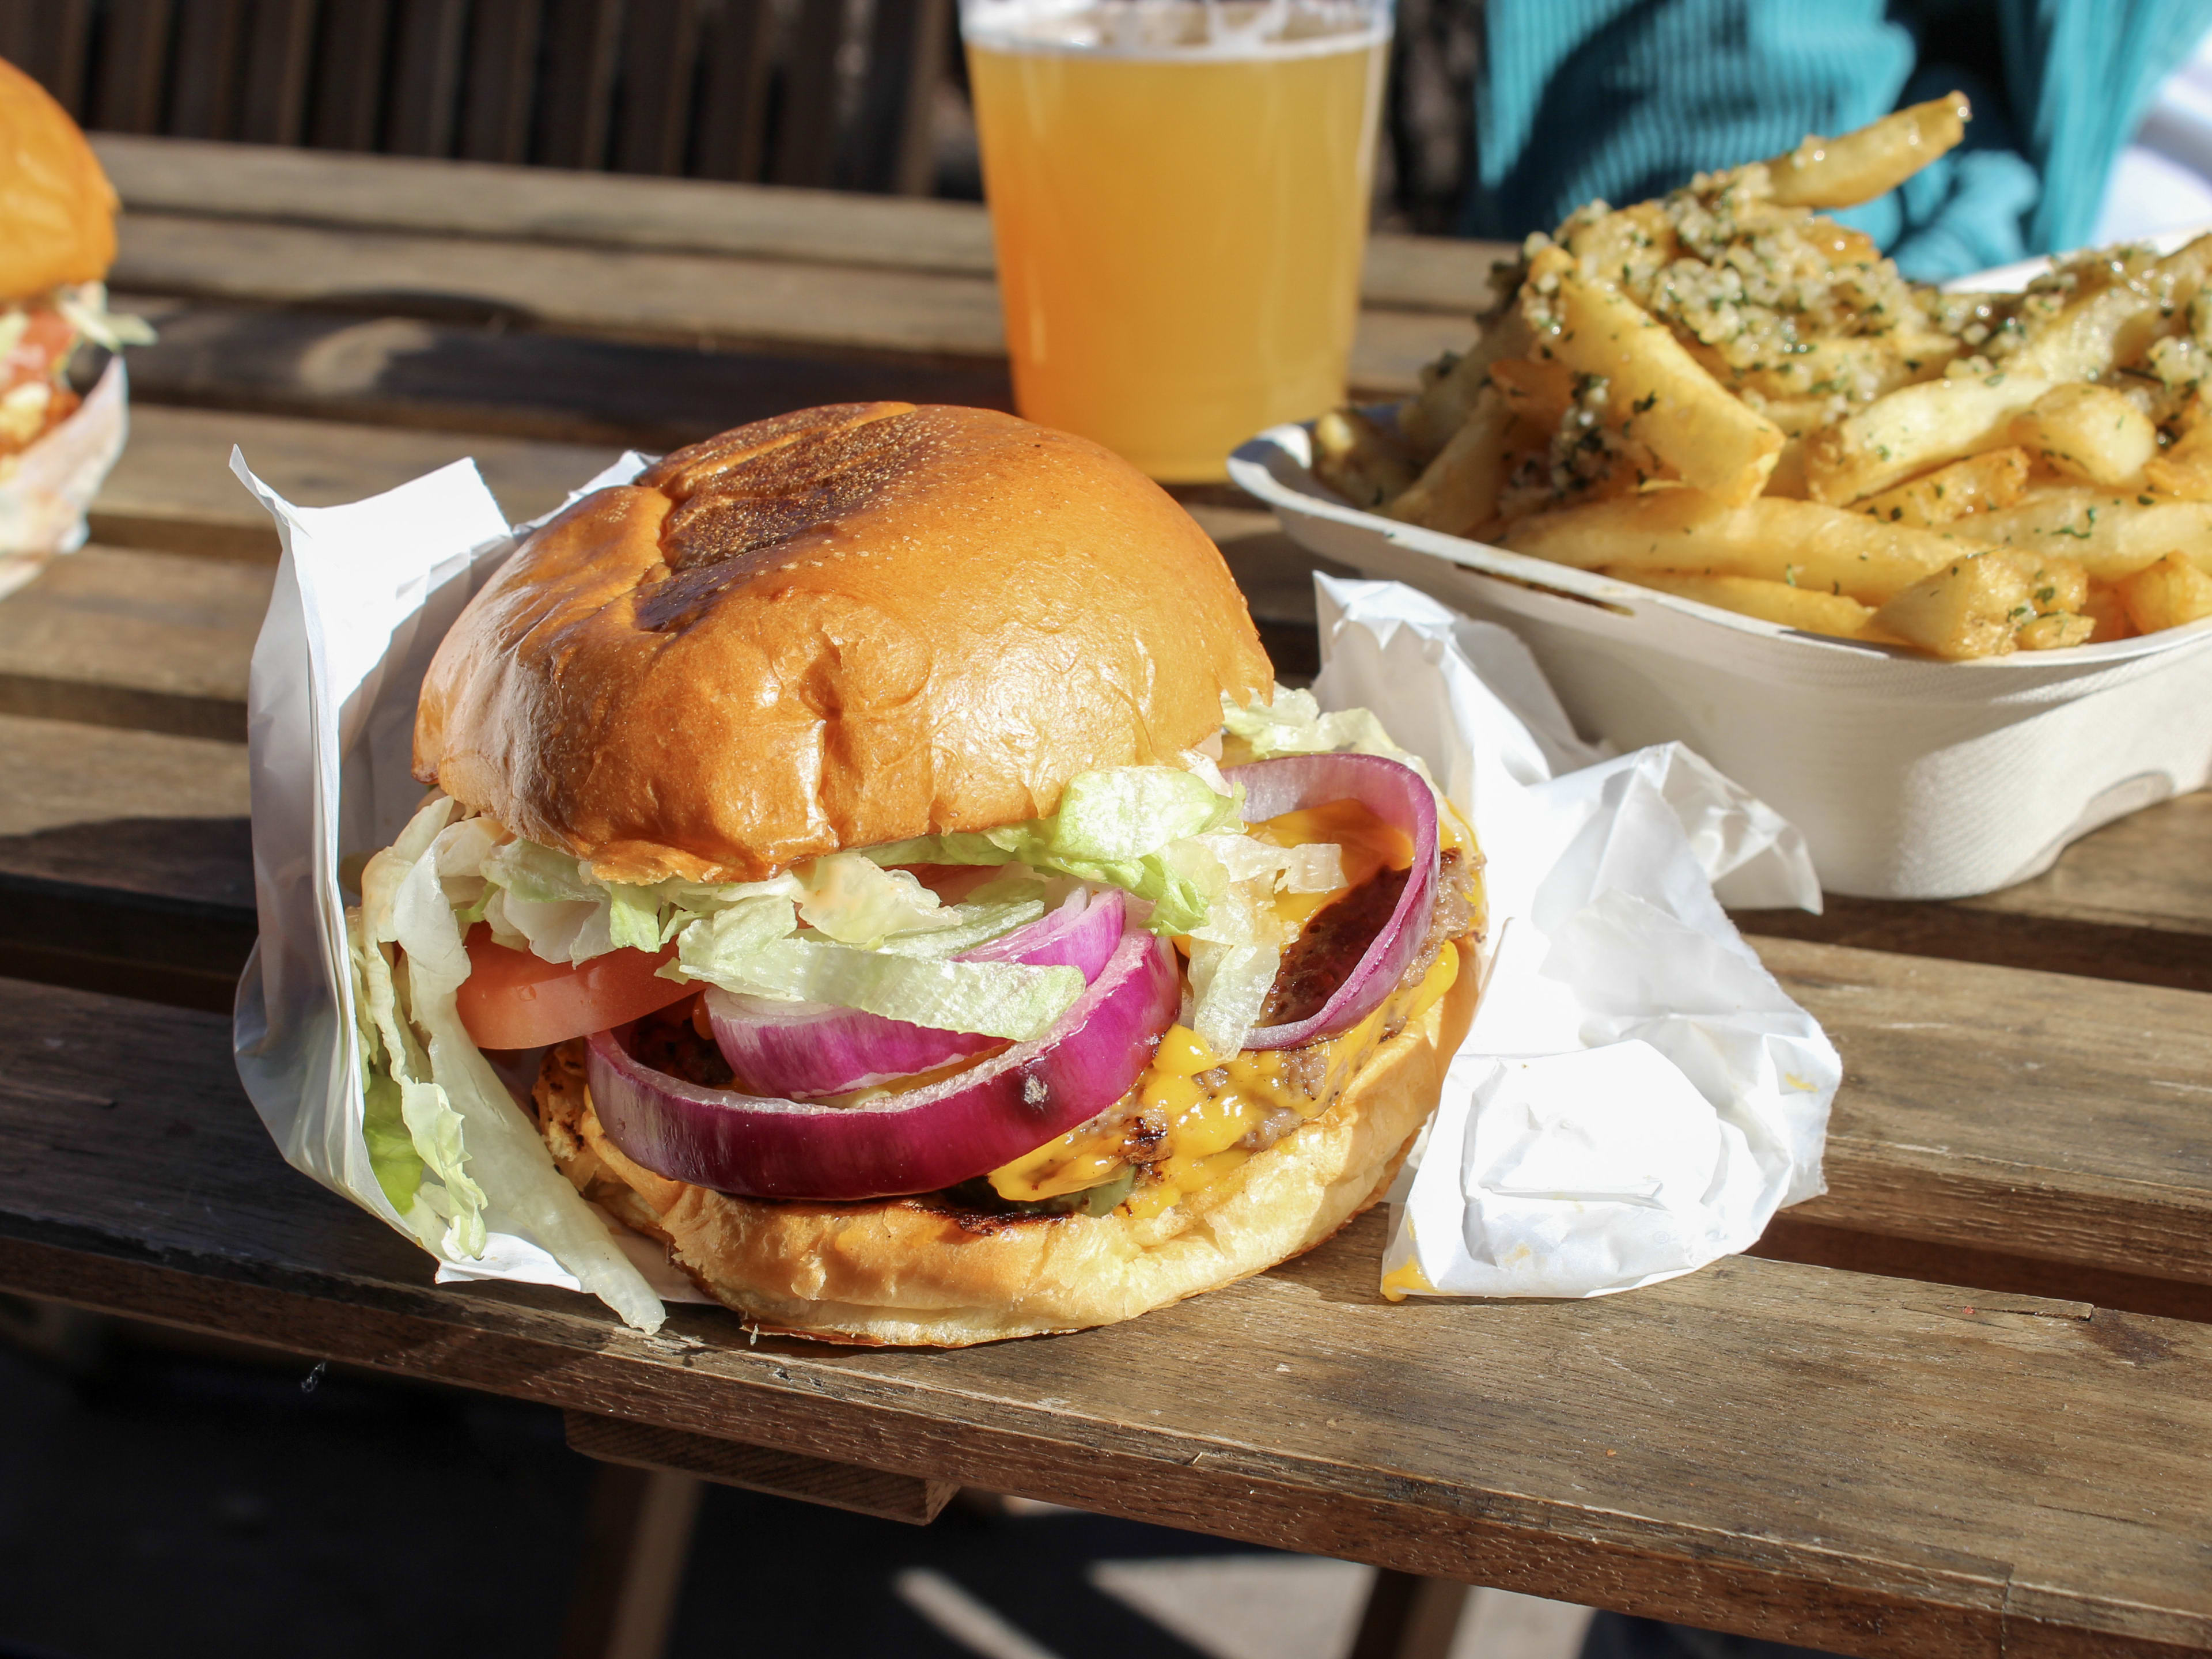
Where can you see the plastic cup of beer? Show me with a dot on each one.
(1179, 196)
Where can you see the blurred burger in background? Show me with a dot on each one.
(56, 241)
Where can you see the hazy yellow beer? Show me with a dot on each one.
(1179, 193)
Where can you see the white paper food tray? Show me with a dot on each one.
(1910, 778)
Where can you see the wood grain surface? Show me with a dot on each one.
(2037, 1113)
(113, 637)
(2132, 901)
(173, 490)
(474, 199)
(647, 295)
(1871, 1466)
(461, 366)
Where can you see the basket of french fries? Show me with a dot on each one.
(1929, 570)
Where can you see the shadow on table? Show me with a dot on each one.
(263, 1505)
(1615, 1636)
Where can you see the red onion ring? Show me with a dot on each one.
(802, 1050)
(1395, 794)
(915, 1142)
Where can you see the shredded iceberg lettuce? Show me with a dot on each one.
(480, 1159)
(750, 949)
(1119, 827)
(85, 306)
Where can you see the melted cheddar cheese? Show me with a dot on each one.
(1194, 1110)
(1203, 1122)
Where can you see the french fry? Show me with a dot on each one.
(1429, 420)
(1861, 368)
(1971, 608)
(1992, 479)
(1660, 395)
(1831, 173)
(2168, 594)
(2055, 630)
(2055, 584)
(2185, 471)
(1912, 430)
(2112, 536)
(1358, 459)
(2111, 327)
(1540, 389)
(1457, 492)
(2088, 432)
(2108, 612)
(1800, 543)
(1800, 608)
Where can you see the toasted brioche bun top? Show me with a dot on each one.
(837, 628)
(56, 208)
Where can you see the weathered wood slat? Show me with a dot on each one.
(2037, 1113)
(140, 640)
(655, 296)
(2132, 901)
(380, 192)
(643, 295)
(125, 861)
(173, 490)
(470, 374)
(1872, 1467)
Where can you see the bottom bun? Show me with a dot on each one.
(921, 1271)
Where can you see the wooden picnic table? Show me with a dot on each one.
(1962, 1404)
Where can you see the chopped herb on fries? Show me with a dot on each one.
(1723, 396)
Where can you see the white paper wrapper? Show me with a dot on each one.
(1608, 867)
(47, 490)
(1638, 1096)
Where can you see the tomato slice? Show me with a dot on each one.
(47, 338)
(514, 999)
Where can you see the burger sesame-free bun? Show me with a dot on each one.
(909, 1272)
(835, 628)
(56, 208)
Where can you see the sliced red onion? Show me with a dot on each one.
(915, 1142)
(1395, 794)
(804, 1049)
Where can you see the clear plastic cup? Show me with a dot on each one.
(1179, 194)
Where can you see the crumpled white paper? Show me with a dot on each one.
(1638, 1096)
(363, 595)
(1601, 867)
(47, 490)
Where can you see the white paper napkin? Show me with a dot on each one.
(46, 491)
(1636, 1096)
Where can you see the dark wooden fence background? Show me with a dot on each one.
(854, 94)
(793, 92)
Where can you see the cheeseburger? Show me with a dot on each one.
(56, 240)
(874, 843)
